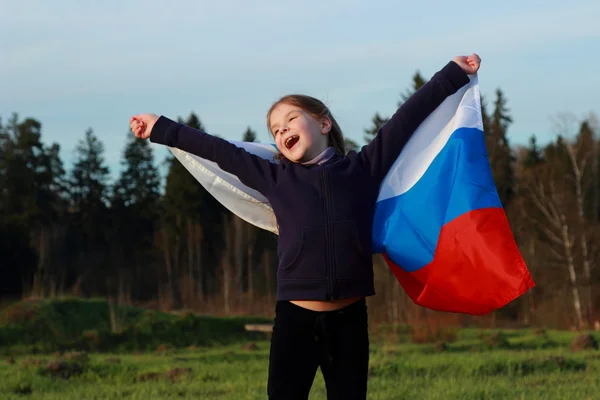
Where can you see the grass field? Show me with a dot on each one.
(227, 363)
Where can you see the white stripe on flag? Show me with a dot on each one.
(429, 139)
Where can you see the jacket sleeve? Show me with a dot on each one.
(384, 149)
(253, 171)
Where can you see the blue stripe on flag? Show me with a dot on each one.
(459, 180)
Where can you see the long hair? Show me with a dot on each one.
(317, 109)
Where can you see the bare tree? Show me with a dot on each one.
(580, 152)
(546, 191)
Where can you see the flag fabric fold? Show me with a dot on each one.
(439, 222)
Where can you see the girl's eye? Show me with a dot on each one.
(292, 118)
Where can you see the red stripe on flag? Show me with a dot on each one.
(477, 267)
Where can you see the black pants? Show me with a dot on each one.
(337, 341)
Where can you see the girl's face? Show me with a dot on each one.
(298, 136)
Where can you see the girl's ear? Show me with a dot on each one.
(325, 126)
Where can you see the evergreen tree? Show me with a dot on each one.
(135, 211)
(89, 197)
(31, 200)
(377, 122)
(32, 172)
(499, 151)
(417, 82)
(485, 121)
(534, 155)
(585, 155)
(249, 135)
(139, 183)
(350, 145)
(192, 229)
(89, 177)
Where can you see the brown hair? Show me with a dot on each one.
(317, 109)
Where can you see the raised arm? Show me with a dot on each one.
(254, 171)
(380, 154)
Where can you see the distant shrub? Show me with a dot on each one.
(80, 324)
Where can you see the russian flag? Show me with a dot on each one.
(439, 222)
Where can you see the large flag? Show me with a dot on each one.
(439, 222)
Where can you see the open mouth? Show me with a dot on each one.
(291, 141)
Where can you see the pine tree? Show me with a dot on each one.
(534, 156)
(89, 177)
(485, 120)
(134, 215)
(526, 219)
(89, 198)
(31, 199)
(249, 135)
(350, 145)
(377, 122)
(192, 233)
(139, 183)
(499, 151)
(417, 82)
(585, 154)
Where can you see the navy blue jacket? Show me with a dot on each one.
(325, 212)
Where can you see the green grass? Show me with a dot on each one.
(402, 371)
(159, 355)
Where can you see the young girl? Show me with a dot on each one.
(324, 202)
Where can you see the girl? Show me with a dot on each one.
(324, 202)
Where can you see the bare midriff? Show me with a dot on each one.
(331, 305)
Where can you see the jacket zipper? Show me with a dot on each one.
(329, 237)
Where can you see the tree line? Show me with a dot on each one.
(80, 233)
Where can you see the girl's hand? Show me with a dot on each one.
(141, 125)
(469, 64)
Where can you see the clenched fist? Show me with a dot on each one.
(469, 64)
(141, 125)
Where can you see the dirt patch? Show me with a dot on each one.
(78, 356)
(584, 342)
(177, 373)
(172, 375)
(250, 346)
(163, 349)
(32, 362)
(496, 340)
(63, 369)
(440, 347)
(148, 376)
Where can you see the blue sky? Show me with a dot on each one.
(74, 65)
